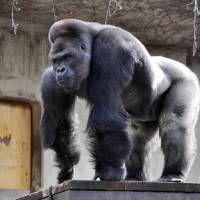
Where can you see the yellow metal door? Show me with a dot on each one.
(15, 145)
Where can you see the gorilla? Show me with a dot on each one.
(124, 87)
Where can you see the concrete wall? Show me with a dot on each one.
(22, 59)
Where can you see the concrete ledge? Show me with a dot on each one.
(117, 190)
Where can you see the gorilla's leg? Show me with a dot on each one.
(110, 142)
(110, 150)
(56, 125)
(177, 123)
(142, 132)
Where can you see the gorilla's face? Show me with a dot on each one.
(70, 56)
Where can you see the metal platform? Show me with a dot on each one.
(118, 190)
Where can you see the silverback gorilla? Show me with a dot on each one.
(123, 85)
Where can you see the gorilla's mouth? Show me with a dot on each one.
(67, 85)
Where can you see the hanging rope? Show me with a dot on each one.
(54, 11)
(196, 14)
(17, 9)
(113, 7)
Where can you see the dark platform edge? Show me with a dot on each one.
(114, 186)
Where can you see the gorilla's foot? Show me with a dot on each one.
(109, 174)
(129, 178)
(170, 178)
(132, 179)
(137, 176)
(65, 174)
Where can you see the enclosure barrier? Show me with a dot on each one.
(117, 190)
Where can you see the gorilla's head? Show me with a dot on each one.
(70, 53)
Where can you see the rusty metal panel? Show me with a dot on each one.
(15, 145)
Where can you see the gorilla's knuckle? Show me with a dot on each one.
(65, 174)
(108, 173)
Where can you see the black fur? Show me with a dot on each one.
(124, 85)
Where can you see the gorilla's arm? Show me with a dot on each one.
(108, 118)
(56, 124)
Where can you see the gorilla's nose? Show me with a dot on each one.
(64, 72)
(61, 70)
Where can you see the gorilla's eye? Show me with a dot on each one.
(83, 47)
(55, 61)
(67, 57)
